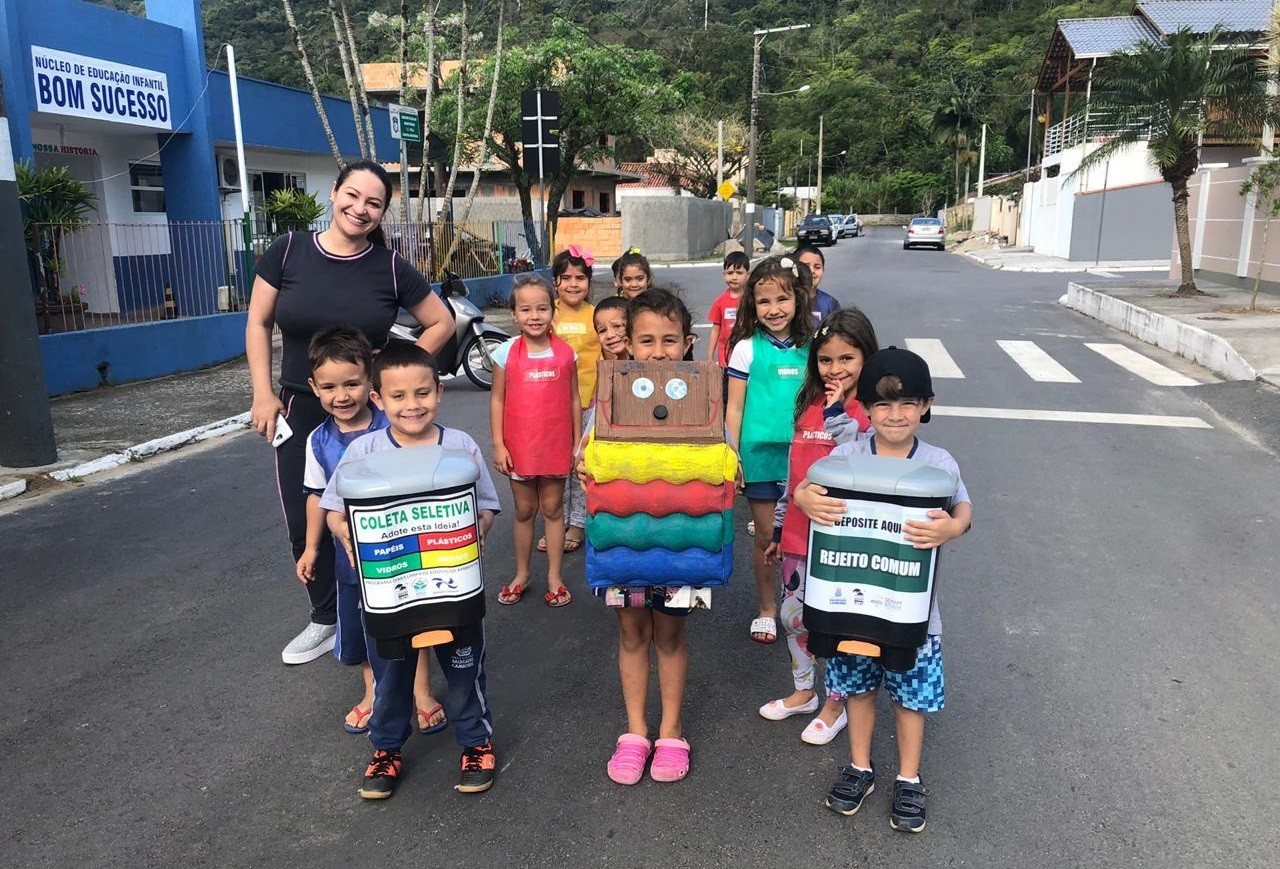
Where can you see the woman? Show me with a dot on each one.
(308, 281)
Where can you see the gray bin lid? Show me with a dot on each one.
(881, 475)
(410, 471)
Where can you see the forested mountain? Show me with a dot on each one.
(903, 85)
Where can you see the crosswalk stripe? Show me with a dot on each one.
(940, 362)
(1072, 416)
(1039, 365)
(1147, 369)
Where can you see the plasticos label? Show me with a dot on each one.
(424, 549)
(863, 565)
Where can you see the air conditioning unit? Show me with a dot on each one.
(228, 172)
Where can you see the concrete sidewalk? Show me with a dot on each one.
(1214, 330)
(1024, 259)
(108, 427)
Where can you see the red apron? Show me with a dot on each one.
(809, 443)
(537, 427)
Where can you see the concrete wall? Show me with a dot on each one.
(1227, 230)
(138, 352)
(1131, 223)
(674, 228)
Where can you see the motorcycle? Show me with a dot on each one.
(469, 348)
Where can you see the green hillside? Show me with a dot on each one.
(890, 77)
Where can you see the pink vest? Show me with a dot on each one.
(537, 425)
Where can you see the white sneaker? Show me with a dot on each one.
(776, 710)
(818, 733)
(314, 641)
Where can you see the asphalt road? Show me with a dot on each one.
(1109, 631)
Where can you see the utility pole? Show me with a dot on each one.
(817, 205)
(758, 38)
(719, 154)
(982, 160)
(26, 437)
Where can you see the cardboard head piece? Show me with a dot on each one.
(660, 401)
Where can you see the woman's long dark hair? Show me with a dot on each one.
(376, 236)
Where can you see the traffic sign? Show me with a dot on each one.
(726, 189)
(405, 123)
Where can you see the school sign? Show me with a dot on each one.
(86, 87)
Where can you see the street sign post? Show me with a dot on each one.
(405, 123)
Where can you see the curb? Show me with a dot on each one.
(12, 489)
(148, 448)
(1191, 342)
(1056, 269)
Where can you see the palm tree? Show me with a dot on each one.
(953, 123)
(1170, 95)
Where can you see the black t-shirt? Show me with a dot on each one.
(319, 289)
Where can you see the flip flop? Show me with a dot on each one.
(572, 544)
(542, 544)
(559, 597)
(425, 716)
(362, 720)
(767, 626)
(511, 594)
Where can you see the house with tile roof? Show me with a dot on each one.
(1120, 209)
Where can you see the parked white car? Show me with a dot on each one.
(925, 231)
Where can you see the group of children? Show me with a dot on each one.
(804, 379)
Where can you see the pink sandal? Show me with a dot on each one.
(670, 760)
(626, 767)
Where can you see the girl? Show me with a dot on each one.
(536, 421)
(575, 325)
(611, 327)
(824, 304)
(826, 407)
(659, 329)
(766, 369)
(631, 274)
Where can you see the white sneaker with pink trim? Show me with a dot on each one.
(819, 733)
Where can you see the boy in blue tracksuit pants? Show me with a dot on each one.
(406, 387)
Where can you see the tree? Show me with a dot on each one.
(954, 122)
(694, 143)
(311, 81)
(605, 91)
(1168, 96)
(1264, 185)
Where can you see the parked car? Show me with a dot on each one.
(836, 221)
(816, 229)
(850, 227)
(927, 231)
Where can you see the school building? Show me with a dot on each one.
(128, 104)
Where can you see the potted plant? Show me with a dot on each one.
(54, 205)
(293, 210)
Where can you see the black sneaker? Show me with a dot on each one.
(478, 765)
(381, 775)
(907, 813)
(850, 790)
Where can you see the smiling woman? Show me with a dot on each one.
(306, 282)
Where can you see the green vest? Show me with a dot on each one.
(775, 378)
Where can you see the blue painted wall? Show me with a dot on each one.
(139, 352)
(276, 116)
(494, 290)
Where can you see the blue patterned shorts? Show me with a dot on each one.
(919, 689)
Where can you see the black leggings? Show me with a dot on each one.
(303, 412)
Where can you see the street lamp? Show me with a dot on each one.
(758, 38)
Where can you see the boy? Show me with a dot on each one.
(896, 390)
(406, 387)
(724, 310)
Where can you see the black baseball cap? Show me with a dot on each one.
(902, 364)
